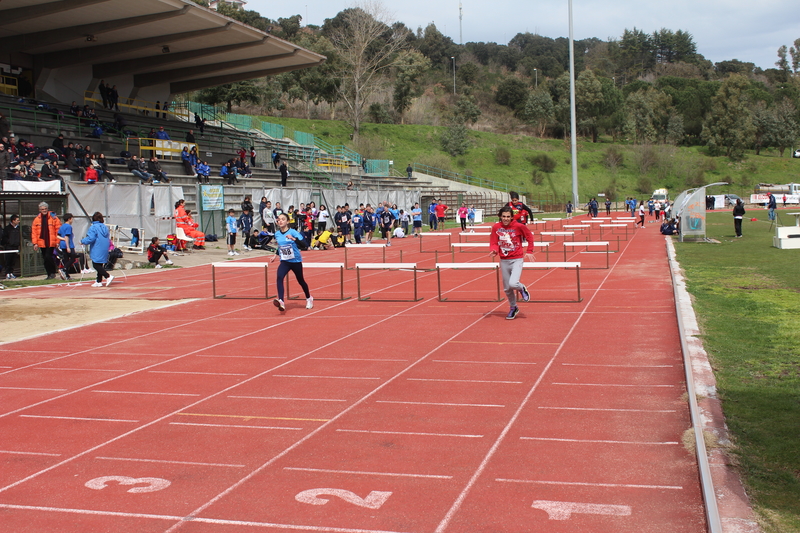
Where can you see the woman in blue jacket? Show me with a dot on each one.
(98, 238)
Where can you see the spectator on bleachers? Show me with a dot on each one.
(69, 149)
(80, 153)
(103, 93)
(164, 109)
(90, 175)
(276, 159)
(284, 173)
(252, 156)
(58, 143)
(4, 127)
(102, 162)
(197, 121)
(228, 171)
(242, 169)
(138, 169)
(203, 170)
(194, 157)
(113, 98)
(74, 109)
(154, 168)
(49, 171)
(186, 159)
(119, 123)
(5, 161)
(161, 133)
(190, 137)
(242, 153)
(158, 108)
(72, 165)
(24, 150)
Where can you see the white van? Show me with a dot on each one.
(661, 195)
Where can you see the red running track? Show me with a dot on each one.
(224, 415)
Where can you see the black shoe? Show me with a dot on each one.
(51, 276)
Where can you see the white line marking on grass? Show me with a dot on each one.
(194, 373)
(619, 366)
(442, 403)
(80, 369)
(466, 381)
(609, 409)
(357, 359)
(231, 426)
(598, 441)
(13, 452)
(390, 474)
(411, 433)
(140, 392)
(292, 399)
(484, 362)
(78, 418)
(181, 519)
(581, 484)
(610, 385)
(318, 377)
(33, 388)
(167, 462)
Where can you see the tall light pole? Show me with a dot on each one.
(536, 72)
(454, 74)
(572, 121)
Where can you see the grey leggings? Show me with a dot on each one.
(511, 270)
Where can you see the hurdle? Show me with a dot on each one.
(385, 266)
(484, 245)
(306, 266)
(465, 266)
(233, 264)
(564, 234)
(466, 234)
(363, 246)
(430, 234)
(578, 227)
(612, 226)
(565, 265)
(587, 244)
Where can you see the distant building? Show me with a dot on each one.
(235, 3)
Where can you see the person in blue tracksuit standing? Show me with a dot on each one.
(99, 239)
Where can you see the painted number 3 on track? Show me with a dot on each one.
(148, 484)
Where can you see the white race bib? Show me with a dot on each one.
(287, 252)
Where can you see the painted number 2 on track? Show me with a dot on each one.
(373, 500)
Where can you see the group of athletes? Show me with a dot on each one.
(506, 242)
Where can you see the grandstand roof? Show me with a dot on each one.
(175, 42)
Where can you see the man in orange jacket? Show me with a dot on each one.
(44, 234)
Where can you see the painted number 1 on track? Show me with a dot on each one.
(374, 499)
(564, 510)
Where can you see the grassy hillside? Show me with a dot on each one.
(642, 169)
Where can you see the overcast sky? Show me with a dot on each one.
(729, 29)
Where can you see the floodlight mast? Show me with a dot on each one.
(572, 120)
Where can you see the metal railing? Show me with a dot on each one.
(461, 178)
(52, 118)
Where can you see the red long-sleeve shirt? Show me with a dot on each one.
(507, 240)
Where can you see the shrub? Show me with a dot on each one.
(461, 161)
(645, 156)
(502, 156)
(613, 158)
(644, 185)
(697, 178)
(544, 162)
(537, 177)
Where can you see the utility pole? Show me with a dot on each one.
(460, 35)
(454, 74)
(572, 120)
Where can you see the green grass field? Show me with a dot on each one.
(747, 296)
(643, 169)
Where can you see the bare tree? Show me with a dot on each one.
(367, 47)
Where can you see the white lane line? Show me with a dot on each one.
(613, 410)
(320, 377)
(599, 441)
(441, 403)
(390, 474)
(14, 452)
(180, 519)
(411, 433)
(6, 367)
(484, 362)
(581, 484)
(140, 392)
(230, 426)
(32, 388)
(80, 369)
(244, 356)
(193, 373)
(77, 418)
(292, 399)
(357, 359)
(465, 381)
(618, 366)
(167, 462)
(610, 385)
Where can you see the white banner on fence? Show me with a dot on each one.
(763, 198)
(31, 186)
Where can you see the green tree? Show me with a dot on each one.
(436, 46)
(782, 63)
(539, 110)
(785, 131)
(367, 47)
(729, 128)
(230, 93)
(249, 17)
(454, 139)
(465, 110)
(290, 26)
(512, 92)
(647, 115)
(794, 51)
(410, 67)
(588, 102)
(468, 74)
(316, 84)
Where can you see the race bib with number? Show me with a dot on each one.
(287, 252)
